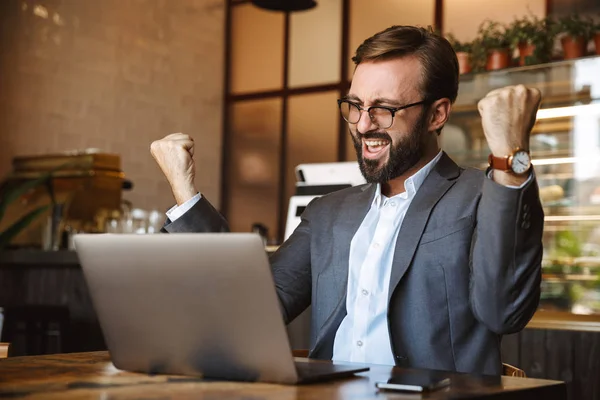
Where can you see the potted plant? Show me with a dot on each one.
(479, 56)
(533, 38)
(494, 39)
(575, 33)
(463, 53)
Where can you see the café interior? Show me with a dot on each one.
(86, 86)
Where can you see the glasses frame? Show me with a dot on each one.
(392, 110)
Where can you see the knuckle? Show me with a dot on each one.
(494, 101)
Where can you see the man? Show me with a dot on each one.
(428, 264)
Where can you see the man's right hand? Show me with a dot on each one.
(174, 155)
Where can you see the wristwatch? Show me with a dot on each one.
(518, 162)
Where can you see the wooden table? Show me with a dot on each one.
(92, 376)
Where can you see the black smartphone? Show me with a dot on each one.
(415, 381)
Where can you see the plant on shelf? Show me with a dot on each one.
(492, 36)
(575, 32)
(12, 190)
(534, 39)
(479, 56)
(463, 53)
(10, 193)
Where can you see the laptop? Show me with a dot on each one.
(193, 304)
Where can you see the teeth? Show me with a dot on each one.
(374, 143)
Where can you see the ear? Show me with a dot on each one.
(440, 112)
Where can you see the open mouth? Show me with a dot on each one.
(374, 148)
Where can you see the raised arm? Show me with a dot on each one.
(507, 247)
(174, 154)
(291, 263)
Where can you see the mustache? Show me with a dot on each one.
(374, 135)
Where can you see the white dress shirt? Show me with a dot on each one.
(177, 211)
(363, 334)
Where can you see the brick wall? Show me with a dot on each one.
(114, 75)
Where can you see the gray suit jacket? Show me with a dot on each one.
(466, 268)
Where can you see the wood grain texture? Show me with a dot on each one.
(533, 352)
(511, 349)
(57, 287)
(586, 372)
(559, 359)
(565, 355)
(3, 350)
(92, 375)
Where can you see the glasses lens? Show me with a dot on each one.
(350, 112)
(382, 117)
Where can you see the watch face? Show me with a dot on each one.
(520, 162)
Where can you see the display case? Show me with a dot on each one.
(565, 149)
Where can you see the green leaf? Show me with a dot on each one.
(16, 192)
(22, 223)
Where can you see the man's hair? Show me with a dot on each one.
(438, 59)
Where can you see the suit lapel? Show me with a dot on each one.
(437, 183)
(353, 210)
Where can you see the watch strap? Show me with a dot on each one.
(500, 163)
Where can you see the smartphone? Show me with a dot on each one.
(415, 381)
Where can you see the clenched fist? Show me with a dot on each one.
(507, 116)
(174, 155)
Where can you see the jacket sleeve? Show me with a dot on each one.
(202, 217)
(291, 265)
(507, 256)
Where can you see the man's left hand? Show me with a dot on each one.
(508, 115)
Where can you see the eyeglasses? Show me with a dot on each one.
(381, 116)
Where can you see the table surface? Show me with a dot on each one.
(92, 376)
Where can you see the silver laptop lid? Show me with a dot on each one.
(193, 304)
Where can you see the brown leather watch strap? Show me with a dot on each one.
(500, 163)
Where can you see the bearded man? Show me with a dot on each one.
(428, 264)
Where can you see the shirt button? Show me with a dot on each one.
(365, 292)
(392, 204)
(375, 245)
(359, 343)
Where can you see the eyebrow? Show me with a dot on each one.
(375, 102)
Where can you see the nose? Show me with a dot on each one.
(365, 124)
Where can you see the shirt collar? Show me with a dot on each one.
(411, 184)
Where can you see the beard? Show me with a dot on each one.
(402, 156)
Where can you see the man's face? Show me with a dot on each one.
(384, 154)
